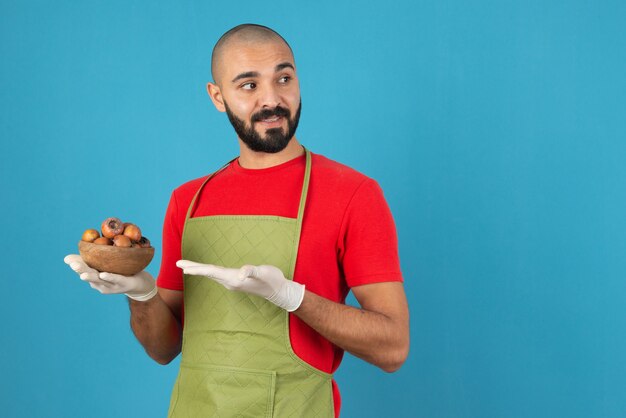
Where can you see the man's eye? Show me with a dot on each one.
(248, 86)
(284, 79)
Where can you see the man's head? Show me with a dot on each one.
(255, 83)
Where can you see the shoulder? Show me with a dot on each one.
(337, 174)
(183, 194)
(324, 164)
(340, 192)
(190, 187)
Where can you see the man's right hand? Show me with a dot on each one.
(140, 287)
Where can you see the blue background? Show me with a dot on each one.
(496, 129)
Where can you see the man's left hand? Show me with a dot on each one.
(265, 281)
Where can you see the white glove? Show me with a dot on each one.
(140, 287)
(265, 281)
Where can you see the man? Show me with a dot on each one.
(259, 257)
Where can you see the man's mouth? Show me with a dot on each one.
(272, 122)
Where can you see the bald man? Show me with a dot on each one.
(259, 256)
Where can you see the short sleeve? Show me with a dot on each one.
(368, 242)
(170, 276)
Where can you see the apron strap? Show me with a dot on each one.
(195, 196)
(305, 190)
(305, 184)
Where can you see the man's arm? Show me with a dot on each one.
(378, 332)
(155, 313)
(157, 324)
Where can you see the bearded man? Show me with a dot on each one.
(259, 256)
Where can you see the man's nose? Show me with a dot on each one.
(269, 97)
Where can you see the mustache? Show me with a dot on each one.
(268, 113)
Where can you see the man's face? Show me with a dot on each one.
(259, 91)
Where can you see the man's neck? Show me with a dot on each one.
(255, 160)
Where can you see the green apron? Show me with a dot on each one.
(237, 359)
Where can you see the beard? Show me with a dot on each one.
(275, 139)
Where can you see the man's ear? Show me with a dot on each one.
(216, 96)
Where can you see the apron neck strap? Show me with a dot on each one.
(305, 185)
(305, 189)
(195, 196)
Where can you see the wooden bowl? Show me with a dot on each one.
(119, 260)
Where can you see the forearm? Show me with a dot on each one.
(371, 336)
(377, 333)
(156, 328)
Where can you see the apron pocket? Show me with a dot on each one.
(218, 391)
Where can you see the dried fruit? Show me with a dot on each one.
(122, 241)
(117, 233)
(112, 227)
(103, 241)
(144, 242)
(133, 232)
(90, 235)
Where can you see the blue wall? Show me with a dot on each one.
(496, 128)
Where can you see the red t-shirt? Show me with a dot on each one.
(348, 234)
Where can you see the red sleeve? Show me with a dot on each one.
(170, 276)
(368, 247)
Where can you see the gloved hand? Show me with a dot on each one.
(265, 281)
(140, 287)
